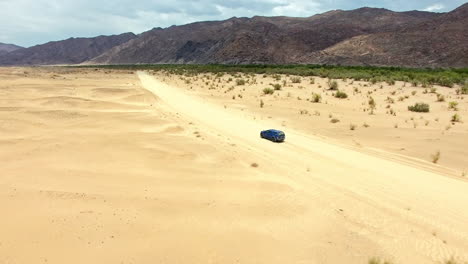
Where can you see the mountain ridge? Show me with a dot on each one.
(363, 36)
(7, 48)
(256, 40)
(69, 51)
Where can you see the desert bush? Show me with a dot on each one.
(316, 98)
(268, 91)
(352, 127)
(453, 106)
(341, 95)
(378, 261)
(372, 103)
(261, 103)
(456, 118)
(333, 85)
(435, 157)
(276, 86)
(464, 89)
(390, 100)
(440, 98)
(296, 79)
(240, 82)
(334, 120)
(419, 107)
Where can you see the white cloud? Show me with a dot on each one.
(434, 7)
(297, 8)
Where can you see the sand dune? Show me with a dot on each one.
(117, 168)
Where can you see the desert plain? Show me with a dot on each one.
(119, 166)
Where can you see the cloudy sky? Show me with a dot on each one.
(31, 22)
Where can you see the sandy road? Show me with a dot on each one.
(407, 213)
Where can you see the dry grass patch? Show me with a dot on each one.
(435, 157)
(419, 107)
(268, 91)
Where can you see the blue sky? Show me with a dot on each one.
(31, 22)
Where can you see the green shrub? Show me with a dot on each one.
(341, 95)
(464, 89)
(316, 98)
(456, 118)
(333, 85)
(240, 82)
(453, 106)
(372, 103)
(268, 91)
(440, 98)
(296, 79)
(419, 107)
(276, 86)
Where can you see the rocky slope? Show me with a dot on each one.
(439, 42)
(7, 48)
(365, 36)
(70, 51)
(258, 39)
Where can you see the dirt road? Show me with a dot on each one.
(354, 201)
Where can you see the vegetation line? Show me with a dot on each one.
(426, 76)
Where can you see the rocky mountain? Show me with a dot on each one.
(7, 48)
(70, 51)
(258, 39)
(365, 36)
(438, 42)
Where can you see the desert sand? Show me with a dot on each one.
(103, 166)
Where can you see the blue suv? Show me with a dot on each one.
(273, 135)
